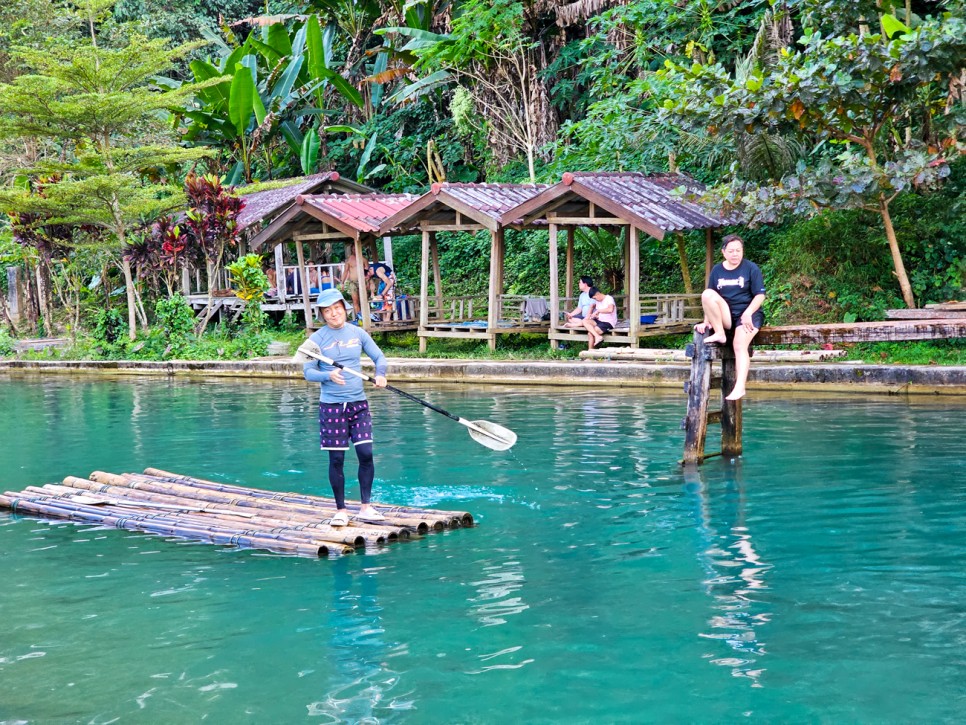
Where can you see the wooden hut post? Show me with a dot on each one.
(304, 276)
(424, 287)
(363, 287)
(625, 234)
(569, 283)
(554, 283)
(280, 271)
(708, 254)
(634, 284)
(493, 313)
(437, 277)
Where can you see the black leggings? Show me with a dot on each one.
(367, 471)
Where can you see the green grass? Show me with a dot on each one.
(932, 352)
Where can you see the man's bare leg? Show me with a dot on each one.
(717, 313)
(742, 342)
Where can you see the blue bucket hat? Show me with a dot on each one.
(329, 297)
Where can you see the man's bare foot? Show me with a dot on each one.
(736, 394)
(715, 338)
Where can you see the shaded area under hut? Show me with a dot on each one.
(450, 207)
(317, 224)
(632, 203)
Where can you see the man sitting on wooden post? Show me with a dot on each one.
(732, 302)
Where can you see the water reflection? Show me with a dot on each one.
(362, 683)
(735, 571)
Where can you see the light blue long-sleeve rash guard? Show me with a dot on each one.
(345, 346)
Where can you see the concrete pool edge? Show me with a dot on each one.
(832, 377)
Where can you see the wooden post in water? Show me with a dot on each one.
(730, 409)
(698, 389)
(699, 396)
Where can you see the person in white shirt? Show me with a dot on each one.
(602, 319)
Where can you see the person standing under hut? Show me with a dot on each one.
(382, 275)
(733, 301)
(343, 408)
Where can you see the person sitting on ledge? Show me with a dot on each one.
(576, 317)
(732, 301)
(601, 319)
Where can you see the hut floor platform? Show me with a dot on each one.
(179, 506)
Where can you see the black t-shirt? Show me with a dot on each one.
(738, 286)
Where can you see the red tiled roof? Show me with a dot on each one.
(350, 214)
(363, 212)
(262, 204)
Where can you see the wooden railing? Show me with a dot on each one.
(667, 309)
(459, 308)
(672, 309)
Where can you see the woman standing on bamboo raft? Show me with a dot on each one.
(343, 408)
(732, 302)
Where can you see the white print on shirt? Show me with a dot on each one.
(353, 342)
(740, 282)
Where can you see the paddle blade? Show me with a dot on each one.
(492, 435)
(307, 351)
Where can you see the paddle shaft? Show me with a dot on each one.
(333, 363)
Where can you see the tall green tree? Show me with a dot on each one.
(100, 105)
(875, 107)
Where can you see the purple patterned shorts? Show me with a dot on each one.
(341, 422)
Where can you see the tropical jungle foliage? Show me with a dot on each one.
(126, 126)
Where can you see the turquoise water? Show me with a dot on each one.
(821, 578)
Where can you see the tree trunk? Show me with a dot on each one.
(43, 296)
(900, 268)
(31, 308)
(683, 257)
(5, 313)
(132, 323)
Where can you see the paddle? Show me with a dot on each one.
(483, 432)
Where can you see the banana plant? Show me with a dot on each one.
(272, 85)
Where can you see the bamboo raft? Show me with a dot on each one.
(174, 505)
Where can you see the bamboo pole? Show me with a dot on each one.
(314, 506)
(223, 498)
(285, 530)
(166, 525)
(458, 518)
(143, 500)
